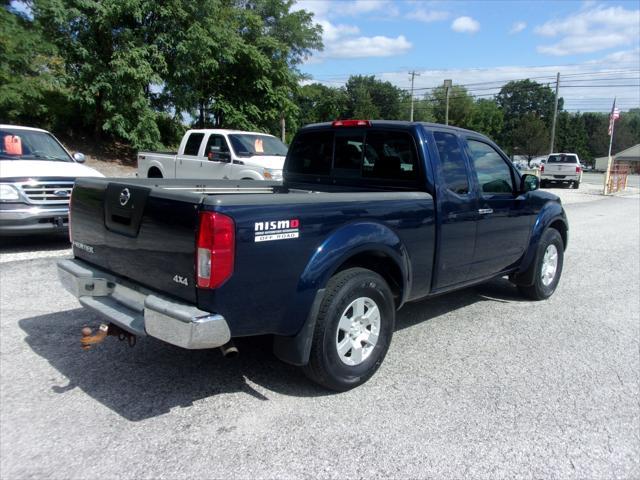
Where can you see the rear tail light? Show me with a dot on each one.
(351, 123)
(578, 170)
(542, 167)
(215, 249)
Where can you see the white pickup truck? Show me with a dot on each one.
(561, 168)
(217, 153)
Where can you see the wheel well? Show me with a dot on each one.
(383, 265)
(562, 228)
(154, 172)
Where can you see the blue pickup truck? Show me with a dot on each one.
(371, 215)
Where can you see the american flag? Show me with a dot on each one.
(615, 114)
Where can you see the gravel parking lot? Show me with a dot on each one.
(477, 384)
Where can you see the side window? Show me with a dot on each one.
(349, 148)
(494, 175)
(217, 141)
(193, 144)
(452, 165)
(310, 153)
(390, 155)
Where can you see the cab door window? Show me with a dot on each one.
(215, 145)
(494, 175)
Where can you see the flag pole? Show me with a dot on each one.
(612, 126)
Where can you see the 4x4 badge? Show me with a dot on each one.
(125, 195)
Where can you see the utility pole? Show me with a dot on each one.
(555, 115)
(282, 128)
(447, 87)
(413, 74)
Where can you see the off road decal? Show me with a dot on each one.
(277, 230)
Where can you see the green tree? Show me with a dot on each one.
(571, 135)
(110, 63)
(596, 128)
(32, 83)
(530, 137)
(319, 103)
(521, 98)
(460, 105)
(486, 117)
(234, 64)
(373, 99)
(627, 130)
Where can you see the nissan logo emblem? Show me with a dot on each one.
(125, 195)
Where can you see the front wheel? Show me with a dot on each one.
(548, 266)
(353, 330)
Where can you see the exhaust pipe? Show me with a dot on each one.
(229, 350)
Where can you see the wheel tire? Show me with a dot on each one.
(541, 290)
(576, 185)
(326, 365)
(543, 184)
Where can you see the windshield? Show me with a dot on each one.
(249, 144)
(562, 159)
(17, 144)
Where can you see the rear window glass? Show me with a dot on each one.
(348, 154)
(562, 159)
(311, 153)
(193, 144)
(390, 155)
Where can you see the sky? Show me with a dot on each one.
(595, 45)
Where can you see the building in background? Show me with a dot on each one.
(629, 157)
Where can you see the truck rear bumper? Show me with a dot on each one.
(140, 311)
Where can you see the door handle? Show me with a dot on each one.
(485, 211)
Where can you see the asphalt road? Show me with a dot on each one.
(477, 384)
(593, 178)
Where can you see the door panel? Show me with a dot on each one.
(213, 167)
(458, 207)
(504, 215)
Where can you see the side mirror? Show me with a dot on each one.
(217, 155)
(529, 183)
(79, 157)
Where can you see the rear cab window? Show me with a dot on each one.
(562, 158)
(383, 157)
(453, 167)
(193, 144)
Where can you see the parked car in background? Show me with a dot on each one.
(36, 177)
(561, 168)
(218, 154)
(537, 162)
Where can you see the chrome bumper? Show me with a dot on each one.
(140, 311)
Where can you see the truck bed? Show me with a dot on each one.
(151, 240)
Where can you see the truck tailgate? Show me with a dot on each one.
(139, 233)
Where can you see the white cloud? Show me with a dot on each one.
(465, 25)
(344, 40)
(593, 28)
(427, 16)
(332, 33)
(377, 46)
(517, 27)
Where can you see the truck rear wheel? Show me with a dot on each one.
(548, 266)
(353, 330)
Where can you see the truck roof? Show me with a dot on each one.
(399, 123)
(225, 131)
(20, 127)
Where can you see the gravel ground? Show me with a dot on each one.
(477, 384)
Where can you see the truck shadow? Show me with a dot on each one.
(154, 377)
(34, 243)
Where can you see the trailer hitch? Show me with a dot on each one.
(88, 339)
